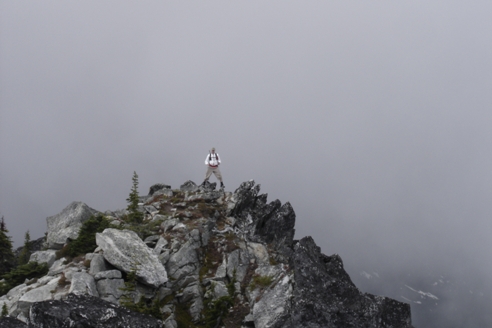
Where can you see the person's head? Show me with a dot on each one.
(213, 149)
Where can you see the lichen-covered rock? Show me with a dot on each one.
(88, 312)
(274, 306)
(66, 225)
(47, 257)
(9, 322)
(267, 223)
(259, 252)
(278, 227)
(127, 252)
(11, 300)
(324, 295)
(37, 294)
(83, 284)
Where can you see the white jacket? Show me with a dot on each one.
(212, 160)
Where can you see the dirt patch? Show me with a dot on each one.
(236, 315)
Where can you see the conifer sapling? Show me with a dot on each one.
(135, 215)
(5, 312)
(7, 258)
(26, 250)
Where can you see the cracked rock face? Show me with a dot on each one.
(326, 297)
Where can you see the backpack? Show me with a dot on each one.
(210, 156)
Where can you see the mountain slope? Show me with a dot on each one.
(201, 258)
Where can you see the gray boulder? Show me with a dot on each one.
(110, 289)
(89, 312)
(188, 186)
(38, 294)
(83, 284)
(57, 267)
(218, 289)
(98, 264)
(161, 243)
(127, 252)
(11, 300)
(47, 257)
(207, 186)
(164, 192)
(157, 187)
(66, 225)
(110, 274)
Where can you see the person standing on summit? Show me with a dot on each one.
(213, 162)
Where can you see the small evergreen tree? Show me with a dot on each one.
(26, 250)
(86, 240)
(135, 216)
(5, 311)
(18, 275)
(7, 258)
(127, 299)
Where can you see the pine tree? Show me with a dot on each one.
(26, 250)
(135, 215)
(7, 258)
(127, 299)
(5, 311)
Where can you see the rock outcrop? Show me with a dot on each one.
(202, 258)
(326, 297)
(87, 311)
(127, 252)
(65, 226)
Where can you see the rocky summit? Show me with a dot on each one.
(199, 258)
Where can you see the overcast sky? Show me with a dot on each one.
(372, 118)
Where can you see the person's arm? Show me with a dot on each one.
(206, 160)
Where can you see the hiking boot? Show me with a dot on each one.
(222, 185)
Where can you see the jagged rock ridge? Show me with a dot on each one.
(209, 259)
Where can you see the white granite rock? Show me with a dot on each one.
(127, 252)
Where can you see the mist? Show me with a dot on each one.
(372, 119)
